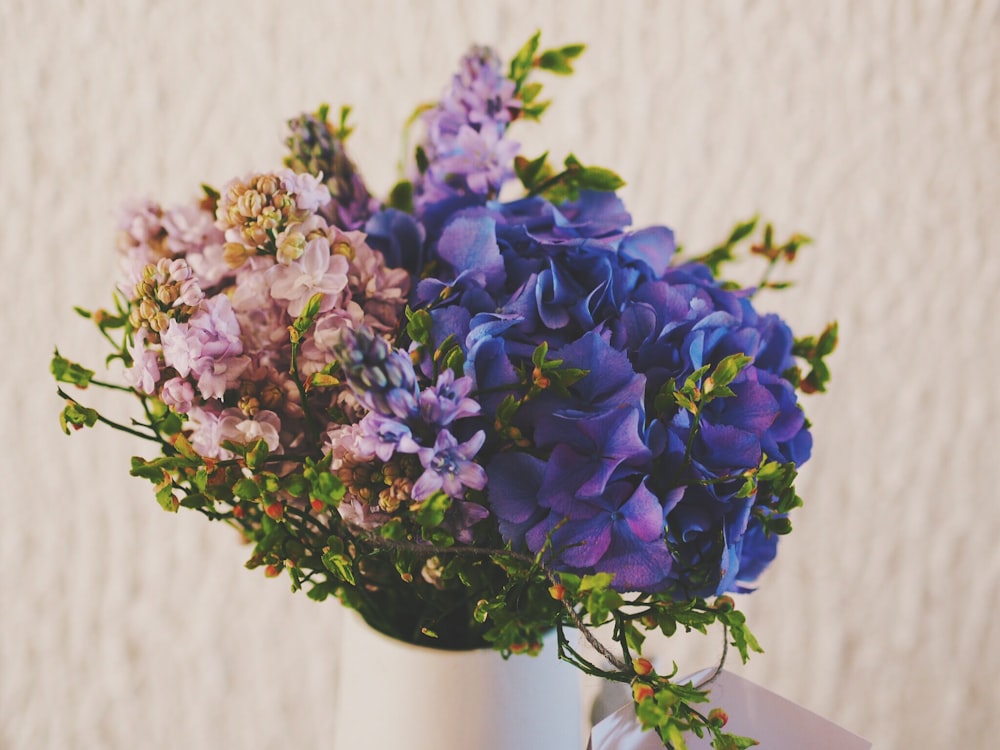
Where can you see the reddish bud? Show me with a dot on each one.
(557, 592)
(642, 666)
(271, 571)
(239, 511)
(641, 691)
(317, 505)
(717, 717)
(724, 603)
(518, 648)
(275, 510)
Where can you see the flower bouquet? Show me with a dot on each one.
(472, 412)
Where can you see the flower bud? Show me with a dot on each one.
(642, 666)
(717, 717)
(275, 510)
(235, 254)
(557, 592)
(318, 506)
(724, 604)
(271, 571)
(641, 691)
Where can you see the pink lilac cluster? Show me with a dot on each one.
(215, 286)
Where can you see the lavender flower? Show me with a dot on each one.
(208, 346)
(383, 436)
(381, 378)
(466, 147)
(316, 149)
(448, 400)
(449, 467)
(178, 394)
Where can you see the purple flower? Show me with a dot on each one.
(145, 370)
(208, 345)
(449, 467)
(383, 436)
(482, 157)
(465, 146)
(448, 400)
(619, 532)
(382, 378)
(178, 394)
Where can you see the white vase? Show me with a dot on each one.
(397, 696)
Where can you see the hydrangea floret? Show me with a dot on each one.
(473, 419)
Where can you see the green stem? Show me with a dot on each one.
(551, 182)
(293, 370)
(115, 425)
(112, 386)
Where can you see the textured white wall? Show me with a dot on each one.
(874, 126)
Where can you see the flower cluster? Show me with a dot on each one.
(470, 418)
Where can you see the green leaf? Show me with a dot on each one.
(572, 50)
(595, 582)
(727, 370)
(742, 638)
(538, 356)
(246, 489)
(326, 487)
(257, 455)
(431, 512)
(523, 61)
(166, 498)
(827, 340)
(70, 372)
(598, 178)
(530, 91)
(418, 326)
(309, 313)
(555, 62)
(74, 416)
(337, 562)
(529, 171)
(743, 230)
(733, 742)
(422, 161)
(401, 196)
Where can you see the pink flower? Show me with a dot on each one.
(381, 291)
(316, 272)
(234, 425)
(206, 433)
(310, 194)
(208, 346)
(178, 394)
(145, 369)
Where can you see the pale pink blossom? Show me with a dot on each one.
(237, 427)
(206, 433)
(145, 369)
(310, 193)
(316, 272)
(208, 346)
(379, 290)
(178, 394)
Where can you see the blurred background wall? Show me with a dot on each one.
(872, 126)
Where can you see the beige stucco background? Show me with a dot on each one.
(870, 124)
